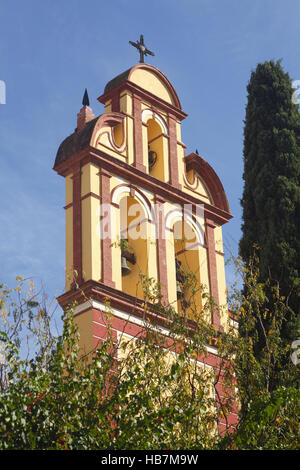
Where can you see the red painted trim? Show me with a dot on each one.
(91, 194)
(85, 115)
(162, 254)
(132, 191)
(115, 103)
(173, 158)
(220, 253)
(181, 144)
(138, 134)
(106, 255)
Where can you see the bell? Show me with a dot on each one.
(185, 303)
(125, 269)
(179, 290)
(152, 157)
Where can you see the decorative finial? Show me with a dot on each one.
(85, 114)
(85, 99)
(141, 48)
(197, 152)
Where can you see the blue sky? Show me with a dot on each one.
(51, 50)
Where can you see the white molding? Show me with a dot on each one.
(177, 215)
(233, 323)
(140, 197)
(156, 117)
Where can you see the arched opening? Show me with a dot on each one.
(157, 150)
(134, 246)
(187, 268)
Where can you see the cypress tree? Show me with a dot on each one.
(271, 196)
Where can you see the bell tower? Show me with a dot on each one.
(138, 205)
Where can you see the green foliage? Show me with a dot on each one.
(271, 197)
(146, 392)
(271, 422)
(268, 393)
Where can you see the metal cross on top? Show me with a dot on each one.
(141, 48)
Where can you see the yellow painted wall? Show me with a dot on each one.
(197, 373)
(91, 244)
(129, 140)
(84, 322)
(105, 143)
(204, 279)
(116, 248)
(222, 290)
(192, 183)
(181, 165)
(126, 103)
(90, 179)
(218, 239)
(171, 271)
(145, 146)
(159, 143)
(69, 232)
(221, 277)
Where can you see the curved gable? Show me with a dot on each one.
(86, 137)
(152, 80)
(148, 78)
(210, 179)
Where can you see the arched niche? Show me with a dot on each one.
(118, 135)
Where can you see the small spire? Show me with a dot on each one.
(197, 152)
(85, 114)
(85, 99)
